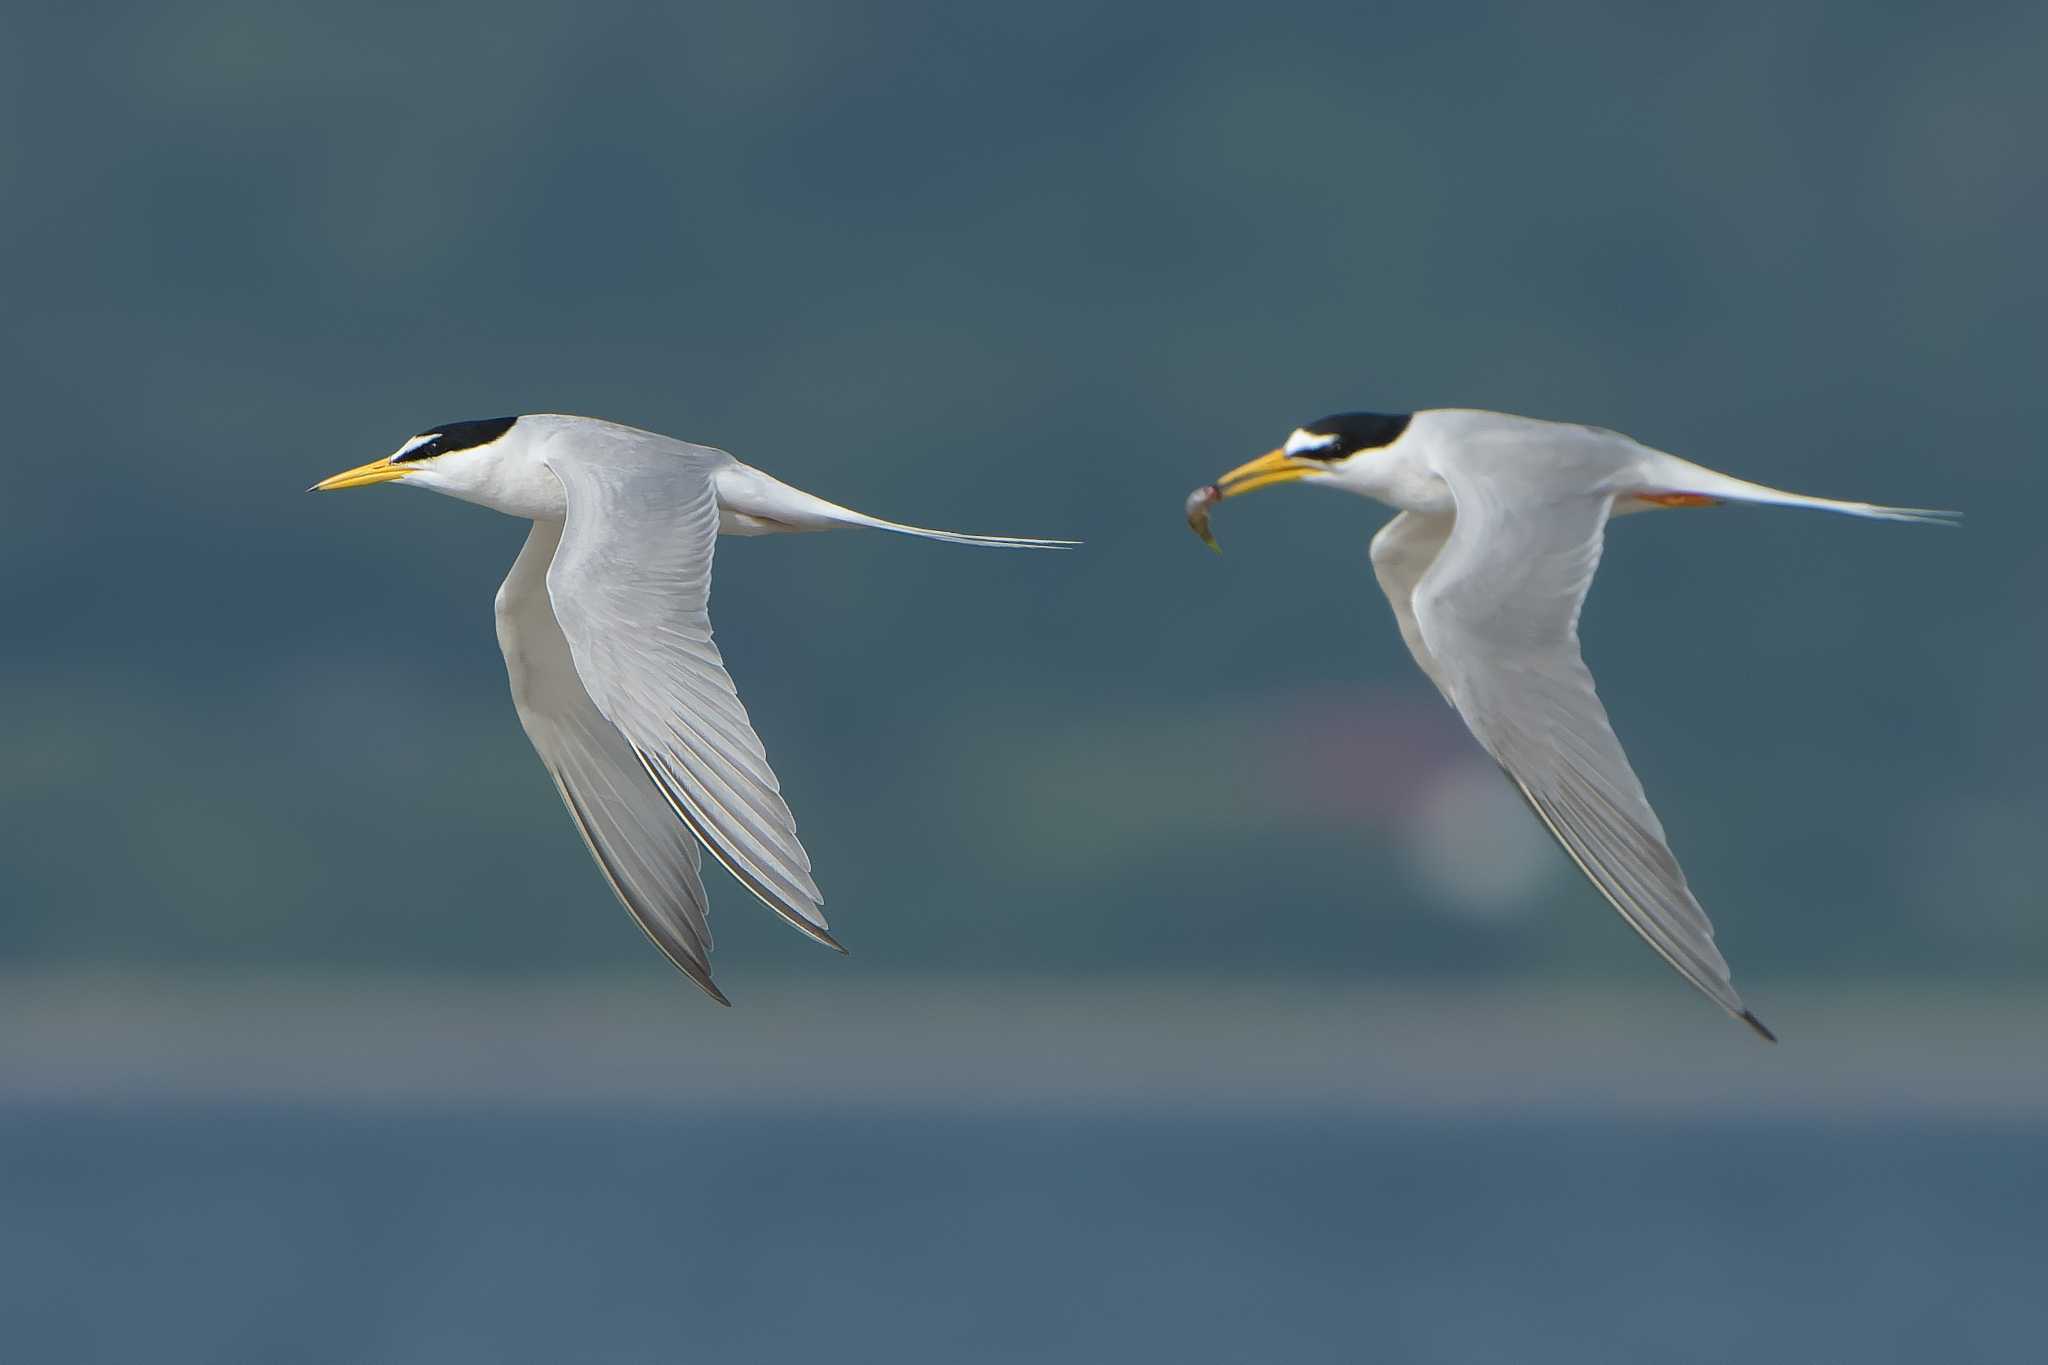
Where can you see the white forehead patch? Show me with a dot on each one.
(414, 444)
(1307, 440)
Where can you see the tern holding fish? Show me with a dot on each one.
(606, 627)
(1500, 526)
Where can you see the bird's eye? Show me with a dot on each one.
(419, 448)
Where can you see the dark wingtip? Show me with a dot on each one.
(1758, 1025)
(824, 936)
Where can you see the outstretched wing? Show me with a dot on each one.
(1498, 612)
(631, 587)
(646, 854)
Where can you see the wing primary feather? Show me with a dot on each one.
(1630, 914)
(680, 802)
(741, 843)
(699, 972)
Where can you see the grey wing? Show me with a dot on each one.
(1499, 613)
(645, 853)
(631, 587)
(1401, 554)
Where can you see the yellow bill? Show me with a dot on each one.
(362, 476)
(1275, 466)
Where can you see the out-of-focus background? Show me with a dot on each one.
(1210, 996)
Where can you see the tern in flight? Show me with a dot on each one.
(1500, 529)
(606, 628)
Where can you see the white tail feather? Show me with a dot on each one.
(773, 505)
(1687, 477)
(957, 537)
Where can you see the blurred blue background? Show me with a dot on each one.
(1031, 270)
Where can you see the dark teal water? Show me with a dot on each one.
(225, 1234)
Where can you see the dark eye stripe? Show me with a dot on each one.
(453, 436)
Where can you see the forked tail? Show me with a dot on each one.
(1688, 480)
(773, 505)
(852, 518)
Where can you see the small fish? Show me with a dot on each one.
(1199, 503)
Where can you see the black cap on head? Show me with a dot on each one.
(1355, 431)
(452, 436)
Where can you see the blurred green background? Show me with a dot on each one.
(1028, 269)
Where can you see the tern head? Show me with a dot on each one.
(492, 461)
(1322, 451)
(447, 458)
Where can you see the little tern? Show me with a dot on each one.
(605, 625)
(1500, 526)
